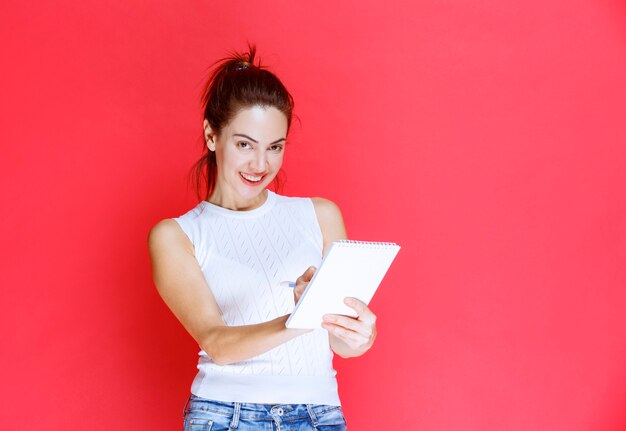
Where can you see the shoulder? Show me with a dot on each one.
(167, 233)
(330, 220)
(326, 210)
(166, 228)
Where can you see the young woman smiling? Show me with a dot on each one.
(219, 268)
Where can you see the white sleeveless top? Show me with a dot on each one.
(244, 255)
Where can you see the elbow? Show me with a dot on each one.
(212, 347)
(218, 359)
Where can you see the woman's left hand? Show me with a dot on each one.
(357, 333)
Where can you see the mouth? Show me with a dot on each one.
(251, 179)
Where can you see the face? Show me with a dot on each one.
(249, 154)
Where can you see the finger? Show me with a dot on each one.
(300, 286)
(362, 310)
(306, 275)
(354, 339)
(349, 323)
(299, 289)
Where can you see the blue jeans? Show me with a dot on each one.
(201, 414)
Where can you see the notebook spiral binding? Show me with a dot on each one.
(353, 243)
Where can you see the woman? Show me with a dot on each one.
(219, 268)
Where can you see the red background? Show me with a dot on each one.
(485, 137)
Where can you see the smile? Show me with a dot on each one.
(251, 178)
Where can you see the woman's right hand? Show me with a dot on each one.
(302, 282)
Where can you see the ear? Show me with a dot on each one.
(209, 136)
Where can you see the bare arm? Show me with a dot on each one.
(181, 284)
(349, 337)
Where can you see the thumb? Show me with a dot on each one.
(308, 274)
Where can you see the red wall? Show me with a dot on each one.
(485, 137)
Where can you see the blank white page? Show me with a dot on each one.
(349, 268)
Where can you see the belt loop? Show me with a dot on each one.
(314, 420)
(234, 423)
(186, 404)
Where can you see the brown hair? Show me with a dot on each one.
(236, 83)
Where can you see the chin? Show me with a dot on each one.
(252, 192)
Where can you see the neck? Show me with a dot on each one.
(220, 199)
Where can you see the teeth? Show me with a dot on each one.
(251, 177)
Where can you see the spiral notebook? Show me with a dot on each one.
(349, 268)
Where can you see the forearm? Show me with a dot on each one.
(229, 344)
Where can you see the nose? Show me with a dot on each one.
(259, 163)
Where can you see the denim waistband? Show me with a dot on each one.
(269, 412)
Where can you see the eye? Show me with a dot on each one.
(243, 145)
(276, 148)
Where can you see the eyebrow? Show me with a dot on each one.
(241, 135)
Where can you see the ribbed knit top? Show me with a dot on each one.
(244, 256)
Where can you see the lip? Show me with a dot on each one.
(251, 183)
